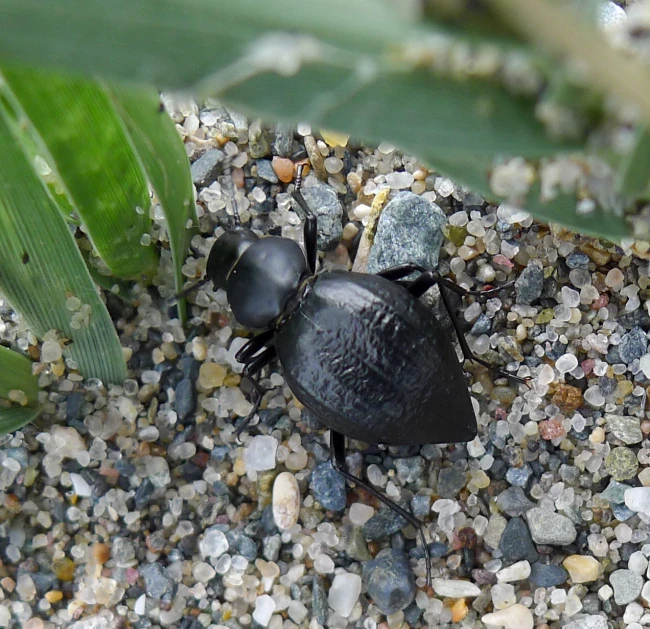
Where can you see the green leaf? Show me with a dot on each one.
(423, 113)
(634, 170)
(41, 267)
(16, 375)
(177, 43)
(164, 159)
(87, 147)
(15, 417)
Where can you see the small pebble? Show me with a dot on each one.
(286, 500)
(344, 593)
(455, 589)
(514, 617)
(547, 527)
(389, 580)
(582, 568)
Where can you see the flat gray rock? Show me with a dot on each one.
(547, 527)
(409, 230)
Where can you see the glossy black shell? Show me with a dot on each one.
(371, 362)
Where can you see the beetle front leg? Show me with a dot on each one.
(310, 230)
(250, 371)
(337, 458)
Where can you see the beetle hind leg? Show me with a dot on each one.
(337, 458)
(418, 287)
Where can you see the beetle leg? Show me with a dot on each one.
(400, 271)
(250, 370)
(337, 458)
(253, 346)
(310, 230)
(420, 286)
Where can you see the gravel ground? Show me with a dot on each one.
(136, 507)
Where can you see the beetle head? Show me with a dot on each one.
(225, 254)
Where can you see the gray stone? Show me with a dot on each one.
(494, 531)
(547, 527)
(384, 523)
(320, 607)
(516, 543)
(627, 586)
(591, 621)
(518, 476)
(578, 260)
(450, 481)
(529, 284)
(409, 230)
(625, 428)
(547, 575)
(390, 581)
(156, 581)
(185, 401)
(207, 168)
(328, 487)
(410, 469)
(355, 544)
(513, 501)
(324, 202)
(482, 325)
(633, 345)
(283, 142)
(615, 492)
(265, 171)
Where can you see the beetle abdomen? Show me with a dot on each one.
(372, 363)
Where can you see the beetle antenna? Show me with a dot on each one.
(301, 168)
(232, 189)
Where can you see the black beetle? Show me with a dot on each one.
(359, 351)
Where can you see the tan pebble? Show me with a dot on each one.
(158, 356)
(597, 435)
(582, 569)
(54, 596)
(283, 168)
(334, 138)
(232, 380)
(459, 610)
(101, 552)
(169, 351)
(211, 375)
(34, 623)
(240, 467)
(199, 351)
(8, 584)
(315, 157)
(58, 369)
(127, 353)
(514, 617)
(286, 500)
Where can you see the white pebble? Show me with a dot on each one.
(516, 572)
(81, 487)
(286, 500)
(638, 499)
(51, 352)
(546, 375)
(264, 608)
(344, 593)
(360, 513)
(514, 617)
(260, 454)
(399, 180)
(455, 589)
(644, 363)
(324, 564)
(566, 363)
